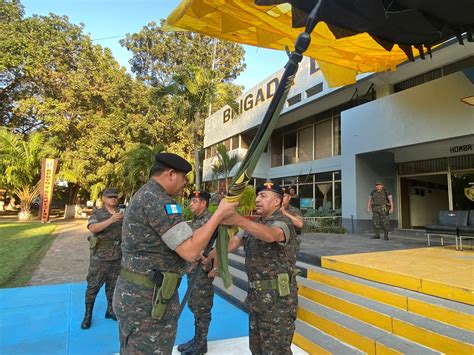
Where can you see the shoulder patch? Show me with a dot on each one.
(173, 208)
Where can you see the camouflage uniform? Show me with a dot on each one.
(380, 211)
(201, 297)
(153, 228)
(104, 265)
(271, 317)
(294, 211)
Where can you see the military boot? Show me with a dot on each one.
(195, 350)
(86, 322)
(186, 346)
(109, 313)
(199, 345)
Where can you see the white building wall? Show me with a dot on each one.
(426, 113)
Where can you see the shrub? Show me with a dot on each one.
(324, 225)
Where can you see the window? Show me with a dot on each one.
(323, 139)
(294, 100)
(305, 144)
(227, 144)
(277, 143)
(247, 138)
(305, 193)
(337, 195)
(324, 194)
(316, 89)
(235, 142)
(337, 135)
(290, 180)
(323, 177)
(290, 148)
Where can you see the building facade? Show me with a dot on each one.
(413, 129)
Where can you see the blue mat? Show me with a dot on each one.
(46, 320)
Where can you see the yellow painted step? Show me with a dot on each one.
(365, 272)
(425, 309)
(346, 335)
(386, 322)
(364, 314)
(441, 272)
(309, 346)
(373, 293)
(432, 340)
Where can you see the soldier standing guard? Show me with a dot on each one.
(201, 297)
(294, 214)
(157, 243)
(106, 225)
(270, 264)
(381, 204)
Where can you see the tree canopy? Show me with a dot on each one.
(55, 81)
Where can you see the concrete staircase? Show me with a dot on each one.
(342, 314)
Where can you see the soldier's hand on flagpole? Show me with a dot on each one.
(209, 259)
(117, 216)
(213, 273)
(226, 208)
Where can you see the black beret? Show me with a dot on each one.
(201, 194)
(172, 161)
(270, 186)
(111, 192)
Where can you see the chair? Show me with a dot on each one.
(448, 223)
(466, 232)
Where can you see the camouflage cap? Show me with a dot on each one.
(379, 182)
(270, 186)
(172, 161)
(200, 194)
(111, 192)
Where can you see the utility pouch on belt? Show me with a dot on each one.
(283, 284)
(93, 241)
(163, 293)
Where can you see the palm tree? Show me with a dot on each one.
(193, 92)
(21, 161)
(225, 163)
(137, 163)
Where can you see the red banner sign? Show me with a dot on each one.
(48, 170)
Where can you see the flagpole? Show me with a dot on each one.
(244, 173)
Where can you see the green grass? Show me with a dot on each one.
(22, 246)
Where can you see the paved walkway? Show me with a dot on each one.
(67, 260)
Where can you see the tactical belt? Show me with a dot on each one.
(264, 285)
(270, 284)
(107, 243)
(136, 278)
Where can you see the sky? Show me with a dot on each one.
(114, 18)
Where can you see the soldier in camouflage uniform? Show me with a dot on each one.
(201, 297)
(270, 264)
(381, 204)
(157, 244)
(294, 214)
(106, 225)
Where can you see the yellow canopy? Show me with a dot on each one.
(242, 21)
